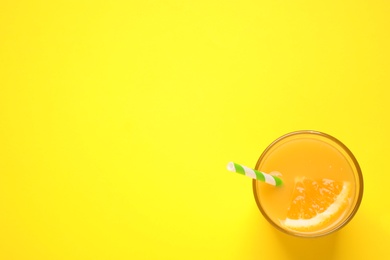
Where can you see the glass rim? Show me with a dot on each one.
(358, 173)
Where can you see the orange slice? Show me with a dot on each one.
(315, 203)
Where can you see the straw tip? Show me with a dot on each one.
(278, 181)
(230, 167)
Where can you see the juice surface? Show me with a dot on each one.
(308, 157)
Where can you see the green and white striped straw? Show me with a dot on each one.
(254, 174)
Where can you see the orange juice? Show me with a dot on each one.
(315, 156)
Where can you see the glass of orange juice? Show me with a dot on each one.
(322, 184)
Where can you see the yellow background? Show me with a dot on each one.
(117, 119)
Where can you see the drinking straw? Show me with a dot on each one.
(254, 174)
